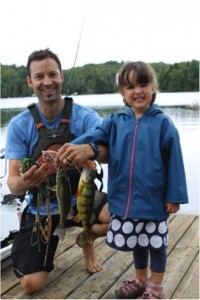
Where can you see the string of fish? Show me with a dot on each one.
(40, 233)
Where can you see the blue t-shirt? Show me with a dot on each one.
(22, 136)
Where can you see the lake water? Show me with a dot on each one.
(186, 120)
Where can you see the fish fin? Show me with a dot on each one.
(76, 218)
(60, 232)
(92, 218)
(53, 188)
(86, 238)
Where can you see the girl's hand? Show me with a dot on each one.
(172, 207)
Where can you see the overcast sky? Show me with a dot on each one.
(118, 30)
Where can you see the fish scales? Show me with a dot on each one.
(63, 194)
(85, 200)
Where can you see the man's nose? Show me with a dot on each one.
(47, 80)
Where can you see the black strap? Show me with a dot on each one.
(23, 218)
(66, 110)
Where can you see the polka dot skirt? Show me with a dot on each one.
(126, 234)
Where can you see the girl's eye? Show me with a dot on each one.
(129, 87)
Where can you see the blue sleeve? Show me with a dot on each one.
(83, 119)
(99, 136)
(176, 191)
(16, 147)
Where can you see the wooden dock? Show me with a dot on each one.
(70, 280)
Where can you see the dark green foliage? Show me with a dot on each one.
(100, 78)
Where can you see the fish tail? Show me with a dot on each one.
(60, 232)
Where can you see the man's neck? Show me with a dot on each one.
(51, 110)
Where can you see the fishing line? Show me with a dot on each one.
(72, 70)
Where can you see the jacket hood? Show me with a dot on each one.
(152, 110)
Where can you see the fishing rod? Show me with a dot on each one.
(72, 70)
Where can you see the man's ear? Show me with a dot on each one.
(29, 81)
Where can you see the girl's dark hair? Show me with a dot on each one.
(133, 73)
(40, 55)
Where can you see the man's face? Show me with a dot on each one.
(46, 80)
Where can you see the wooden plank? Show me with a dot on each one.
(63, 262)
(74, 277)
(182, 258)
(177, 274)
(9, 280)
(96, 286)
(177, 228)
(69, 241)
(71, 280)
(189, 287)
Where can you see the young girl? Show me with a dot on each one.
(146, 180)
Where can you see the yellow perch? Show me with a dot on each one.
(85, 199)
(63, 193)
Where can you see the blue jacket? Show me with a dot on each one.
(145, 166)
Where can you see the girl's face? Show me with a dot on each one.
(139, 97)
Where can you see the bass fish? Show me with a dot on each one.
(85, 200)
(63, 194)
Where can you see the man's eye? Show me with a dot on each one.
(53, 75)
(38, 77)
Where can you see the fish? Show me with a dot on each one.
(63, 194)
(85, 200)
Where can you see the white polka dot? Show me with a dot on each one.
(162, 228)
(156, 241)
(109, 236)
(150, 227)
(143, 240)
(139, 227)
(131, 241)
(119, 240)
(127, 227)
(116, 224)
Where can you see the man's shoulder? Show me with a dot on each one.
(79, 107)
(83, 111)
(25, 114)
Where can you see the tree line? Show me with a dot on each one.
(100, 78)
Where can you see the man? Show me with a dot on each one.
(35, 129)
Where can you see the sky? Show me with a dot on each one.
(112, 30)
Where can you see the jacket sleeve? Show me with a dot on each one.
(99, 136)
(176, 188)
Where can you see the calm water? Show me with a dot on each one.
(186, 120)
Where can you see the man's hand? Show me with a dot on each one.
(73, 154)
(70, 154)
(19, 182)
(35, 175)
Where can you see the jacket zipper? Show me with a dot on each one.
(131, 173)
